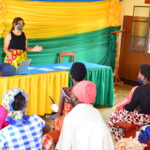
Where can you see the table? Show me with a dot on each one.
(43, 81)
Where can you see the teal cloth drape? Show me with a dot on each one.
(96, 47)
(103, 78)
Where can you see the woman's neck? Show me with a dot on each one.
(146, 82)
(75, 82)
(17, 32)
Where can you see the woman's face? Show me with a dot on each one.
(141, 76)
(20, 25)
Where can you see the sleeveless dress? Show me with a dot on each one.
(17, 47)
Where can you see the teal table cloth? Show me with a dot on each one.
(101, 75)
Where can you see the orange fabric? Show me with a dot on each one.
(50, 139)
(55, 135)
(59, 120)
(129, 144)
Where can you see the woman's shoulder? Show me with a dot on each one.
(143, 87)
(37, 119)
(8, 35)
(67, 91)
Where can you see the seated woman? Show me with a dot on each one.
(84, 128)
(67, 102)
(23, 132)
(137, 112)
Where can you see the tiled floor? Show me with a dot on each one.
(120, 93)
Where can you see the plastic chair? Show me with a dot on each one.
(66, 54)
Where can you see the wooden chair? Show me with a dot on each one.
(66, 54)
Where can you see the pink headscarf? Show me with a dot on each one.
(85, 91)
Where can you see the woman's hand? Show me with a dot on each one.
(37, 48)
(9, 54)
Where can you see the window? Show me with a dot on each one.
(140, 35)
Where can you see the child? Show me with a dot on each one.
(24, 132)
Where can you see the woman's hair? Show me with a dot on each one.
(78, 71)
(145, 70)
(15, 21)
(19, 103)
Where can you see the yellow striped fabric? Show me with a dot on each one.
(55, 19)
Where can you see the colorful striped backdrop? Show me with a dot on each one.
(81, 26)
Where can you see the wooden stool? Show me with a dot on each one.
(129, 128)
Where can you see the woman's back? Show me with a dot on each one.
(84, 128)
(23, 136)
(140, 100)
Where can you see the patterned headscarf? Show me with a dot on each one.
(7, 100)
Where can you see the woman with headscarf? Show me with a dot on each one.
(84, 128)
(137, 112)
(23, 132)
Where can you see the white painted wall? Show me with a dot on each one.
(129, 4)
(127, 9)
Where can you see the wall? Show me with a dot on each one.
(129, 4)
(129, 60)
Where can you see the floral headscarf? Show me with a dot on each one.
(7, 100)
(129, 144)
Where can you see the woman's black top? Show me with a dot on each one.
(17, 42)
(140, 100)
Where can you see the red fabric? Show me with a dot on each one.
(120, 104)
(148, 146)
(129, 129)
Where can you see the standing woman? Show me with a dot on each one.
(16, 44)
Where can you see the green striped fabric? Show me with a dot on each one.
(96, 47)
